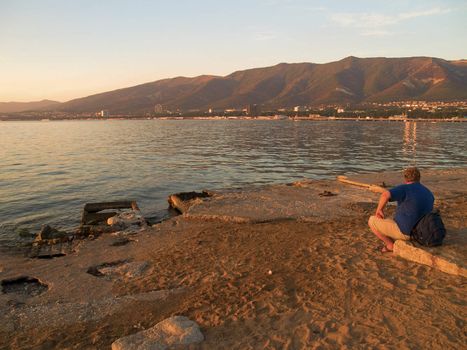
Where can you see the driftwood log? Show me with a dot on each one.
(372, 188)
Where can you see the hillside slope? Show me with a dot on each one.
(12, 107)
(351, 80)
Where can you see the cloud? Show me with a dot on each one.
(262, 36)
(431, 12)
(374, 21)
(376, 32)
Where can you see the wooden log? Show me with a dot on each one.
(372, 188)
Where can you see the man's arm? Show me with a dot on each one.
(383, 200)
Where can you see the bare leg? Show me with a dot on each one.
(387, 241)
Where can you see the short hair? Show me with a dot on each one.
(412, 174)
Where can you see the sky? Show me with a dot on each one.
(65, 49)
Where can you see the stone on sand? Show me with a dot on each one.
(47, 233)
(173, 331)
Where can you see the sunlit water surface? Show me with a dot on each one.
(49, 170)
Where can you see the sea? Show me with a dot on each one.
(49, 170)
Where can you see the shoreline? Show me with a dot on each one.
(270, 266)
(272, 118)
(20, 246)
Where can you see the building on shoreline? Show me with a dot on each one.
(103, 113)
(158, 109)
(253, 110)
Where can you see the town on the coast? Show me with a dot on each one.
(454, 111)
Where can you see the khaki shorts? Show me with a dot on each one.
(387, 227)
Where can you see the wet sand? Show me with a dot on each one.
(305, 275)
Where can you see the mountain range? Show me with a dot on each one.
(12, 107)
(350, 80)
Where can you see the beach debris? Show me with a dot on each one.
(24, 285)
(120, 269)
(327, 194)
(23, 232)
(106, 217)
(269, 272)
(54, 248)
(184, 200)
(371, 187)
(122, 241)
(448, 258)
(50, 256)
(125, 219)
(303, 183)
(171, 332)
(48, 233)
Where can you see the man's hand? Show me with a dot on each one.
(379, 213)
(383, 199)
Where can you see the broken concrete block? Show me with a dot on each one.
(443, 258)
(184, 200)
(49, 233)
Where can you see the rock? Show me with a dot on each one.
(97, 218)
(173, 331)
(115, 221)
(184, 200)
(47, 233)
(327, 194)
(125, 219)
(25, 233)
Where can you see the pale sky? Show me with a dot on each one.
(65, 49)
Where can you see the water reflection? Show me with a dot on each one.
(410, 141)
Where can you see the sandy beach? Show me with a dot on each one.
(276, 267)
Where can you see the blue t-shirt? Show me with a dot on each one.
(413, 201)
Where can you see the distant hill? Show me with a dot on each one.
(11, 107)
(351, 80)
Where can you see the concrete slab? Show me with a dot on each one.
(304, 201)
(449, 258)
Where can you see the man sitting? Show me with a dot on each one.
(413, 201)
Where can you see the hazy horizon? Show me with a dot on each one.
(60, 51)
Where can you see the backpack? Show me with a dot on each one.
(429, 230)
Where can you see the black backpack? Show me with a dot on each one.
(429, 230)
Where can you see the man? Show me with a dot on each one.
(413, 201)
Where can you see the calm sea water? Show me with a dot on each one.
(49, 170)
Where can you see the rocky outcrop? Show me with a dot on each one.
(49, 234)
(184, 200)
(126, 219)
(107, 217)
(173, 331)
